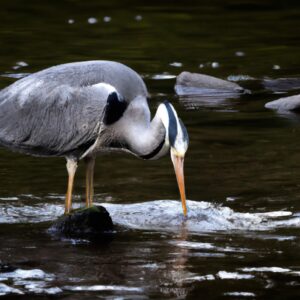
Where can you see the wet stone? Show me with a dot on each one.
(89, 223)
(194, 83)
(281, 84)
(291, 103)
(4, 267)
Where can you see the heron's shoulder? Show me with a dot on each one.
(84, 74)
(127, 81)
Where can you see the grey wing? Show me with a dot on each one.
(46, 121)
(128, 83)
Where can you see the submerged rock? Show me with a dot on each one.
(93, 222)
(281, 84)
(194, 83)
(291, 103)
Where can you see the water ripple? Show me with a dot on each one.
(103, 288)
(166, 215)
(28, 281)
(163, 215)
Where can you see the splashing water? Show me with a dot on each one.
(163, 215)
(202, 217)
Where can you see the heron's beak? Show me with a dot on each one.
(178, 161)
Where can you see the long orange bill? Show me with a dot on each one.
(178, 166)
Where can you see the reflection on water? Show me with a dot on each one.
(155, 260)
(219, 102)
(169, 262)
(241, 239)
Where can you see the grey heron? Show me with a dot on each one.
(78, 110)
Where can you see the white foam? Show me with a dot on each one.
(92, 20)
(280, 238)
(25, 274)
(153, 266)
(32, 281)
(275, 214)
(208, 246)
(163, 76)
(240, 53)
(201, 278)
(5, 289)
(240, 294)
(176, 64)
(107, 19)
(240, 77)
(215, 65)
(285, 271)
(295, 273)
(9, 198)
(102, 288)
(39, 287)
(231, 199)
(20, 64)
(233, 275)
(29, 214)
(164, 216)
(267, 269)
(167, 215)
(15, 75)
(193, 245)
(138, 18)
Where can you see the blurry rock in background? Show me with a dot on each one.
(291, 103)
(198, 90)
(281, 84)
(199, 84)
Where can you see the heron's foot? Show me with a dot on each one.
(67, 211)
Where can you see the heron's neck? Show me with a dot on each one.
(147, 139)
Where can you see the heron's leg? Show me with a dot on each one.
(71, 168)
(90, 164)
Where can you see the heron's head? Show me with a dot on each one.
(178, 140)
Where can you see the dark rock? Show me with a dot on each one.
(4, 267)
(282, 84)
(91, 223)
(193, 83)
(291, 103)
